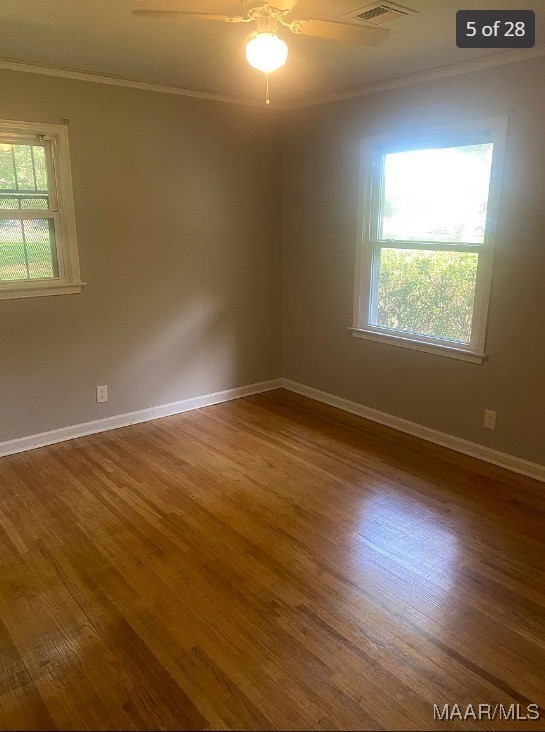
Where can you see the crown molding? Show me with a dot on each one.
(112, 80)
(442, 72)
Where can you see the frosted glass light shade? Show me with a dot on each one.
(266, 52)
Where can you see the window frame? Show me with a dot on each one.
(369, 246)
(61, 210)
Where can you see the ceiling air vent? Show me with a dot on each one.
(379, 13)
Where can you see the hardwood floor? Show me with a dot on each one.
(266, 563)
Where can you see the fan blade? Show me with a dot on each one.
(182, 13)
(227, 7)
(364, 35)
(285, 6)
(282, 6)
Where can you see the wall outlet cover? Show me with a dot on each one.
(489, 419)
(102, 394)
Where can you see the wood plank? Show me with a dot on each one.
(268, 563)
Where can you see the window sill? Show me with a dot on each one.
(438, 349)
(41, 289)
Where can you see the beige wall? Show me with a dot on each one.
(320, 220)
(178, 205)
(179, 215)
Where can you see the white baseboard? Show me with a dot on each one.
(142, 415)
(504, 460)
(473, 449)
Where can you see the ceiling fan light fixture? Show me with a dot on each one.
(266, 52)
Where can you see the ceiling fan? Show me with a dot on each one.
(265, 50)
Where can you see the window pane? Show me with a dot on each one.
(23, 177)
(27, 249)
(427, 293)
(40, 168)
(24, 201)
(438, 194)
(24, 168)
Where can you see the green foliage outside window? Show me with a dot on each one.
(27, 247)
(427, 292)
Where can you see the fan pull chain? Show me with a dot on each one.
(267, 98)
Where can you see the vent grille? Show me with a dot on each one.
(380, 12)
(373, 13)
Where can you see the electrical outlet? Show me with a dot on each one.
(489, 419)
(102, 394)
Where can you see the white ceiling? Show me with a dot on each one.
(102, 36)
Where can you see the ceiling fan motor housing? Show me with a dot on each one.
(267, 24)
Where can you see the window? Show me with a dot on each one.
(428, 214)
(38, 248)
